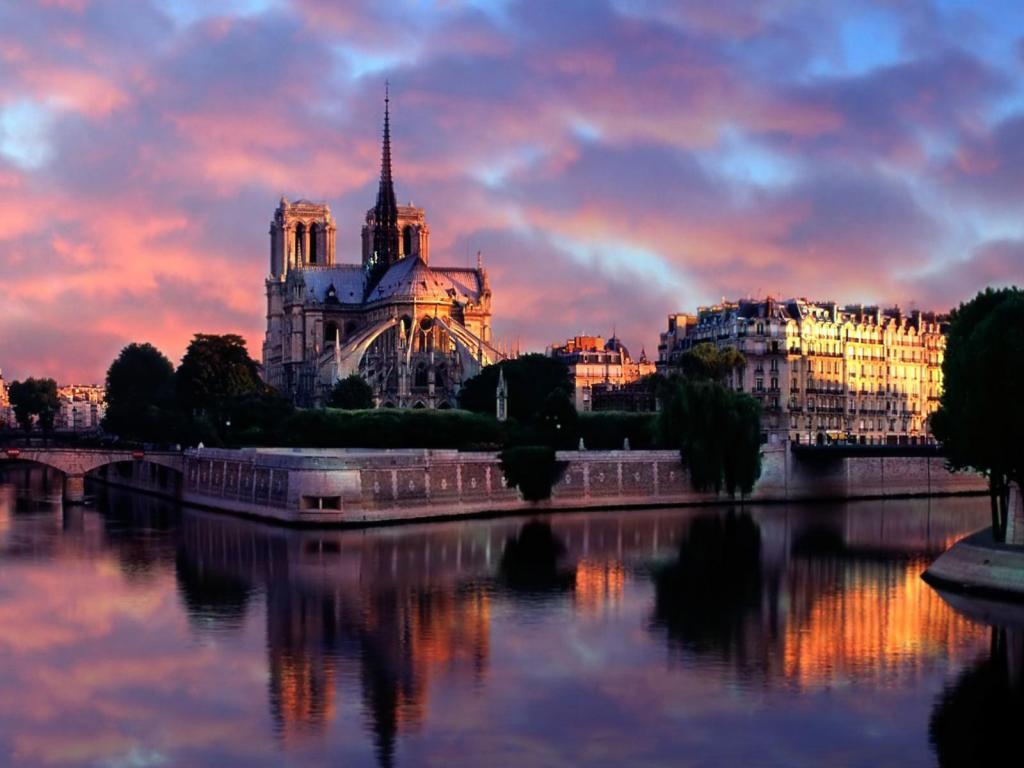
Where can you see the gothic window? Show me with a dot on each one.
(406, 240)
(330, 331)
(421, 376)
(311, 256)
(300, 255)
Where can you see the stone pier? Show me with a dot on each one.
(74, 489)
(1015, 517)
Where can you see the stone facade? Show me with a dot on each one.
(82, 407)
(6, 412)
(592, 362)
(361, 486)
(824, 372)
(413, 331)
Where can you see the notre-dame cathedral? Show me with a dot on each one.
(413, 331)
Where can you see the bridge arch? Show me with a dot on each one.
(81, 461)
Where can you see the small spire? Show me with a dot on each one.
(479, 260)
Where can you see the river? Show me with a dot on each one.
(134, 632)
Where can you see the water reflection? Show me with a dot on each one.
(711, 598)
(225, 641)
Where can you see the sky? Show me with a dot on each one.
(613, 160)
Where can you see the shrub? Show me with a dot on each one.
(533, 469)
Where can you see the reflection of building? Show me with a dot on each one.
(594, 362)
(413, 331)
(811, 597)
(599, 585)
(822, 371)
(872, 627)
(336, 600)
(82, 407)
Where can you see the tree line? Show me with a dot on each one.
(216, 396)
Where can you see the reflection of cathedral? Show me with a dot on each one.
(415, 332)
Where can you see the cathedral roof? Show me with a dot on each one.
(411, 278)
(347, 279)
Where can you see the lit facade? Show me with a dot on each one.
(594, 362)
(6, 412)
(413, 331)
(824, 372)
(82, 407)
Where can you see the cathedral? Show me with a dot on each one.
(413, 331)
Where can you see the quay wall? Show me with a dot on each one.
(306, 486)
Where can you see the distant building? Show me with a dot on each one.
(415, 332)
(824, 372)
(594, 362)
(82, 407)
(6, 412)
(638, 396)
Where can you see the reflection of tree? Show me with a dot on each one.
(213, 598)
(974, 721)
(139, 528)
(531, 561)
(710, 596)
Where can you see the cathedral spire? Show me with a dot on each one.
(385, 212)
(386, 191)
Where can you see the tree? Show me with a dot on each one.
(718, 432)
(215, 370)
(34, 397)
(980, 421)
(706, 361)
(139, 388)
(531, 379)
(352, 394)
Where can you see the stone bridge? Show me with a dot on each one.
(75, 463)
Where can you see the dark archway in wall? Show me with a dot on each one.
(313, 235)
(330, 331)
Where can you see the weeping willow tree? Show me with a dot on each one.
(718, 433)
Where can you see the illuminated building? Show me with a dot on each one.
(82, 406)
(413, 331)
(6, 412)
(592, 361)
(824, 372)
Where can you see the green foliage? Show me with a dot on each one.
(139, 389)
(352, 394)
(608, 430)
(531, 380)
(387, 428)
(215, 370)
(718, 432)
(705, 361)
(558, 420)
(980, 419)
(533, 469)
(34, 397)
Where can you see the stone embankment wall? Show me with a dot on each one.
(345, 486)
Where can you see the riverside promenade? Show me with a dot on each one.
(360, 487)
(981, 565)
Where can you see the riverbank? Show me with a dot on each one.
(981, 565)
(361, 487)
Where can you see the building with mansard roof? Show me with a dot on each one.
(823, 372)
(414, 331)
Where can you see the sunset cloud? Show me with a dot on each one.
(615, 160)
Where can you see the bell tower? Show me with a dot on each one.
(302, 234)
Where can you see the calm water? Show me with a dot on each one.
(136, 633)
